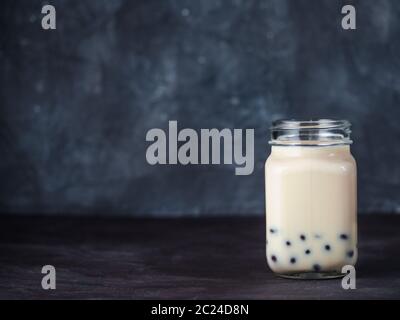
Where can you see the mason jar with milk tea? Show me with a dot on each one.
(311, 199)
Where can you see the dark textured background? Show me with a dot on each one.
(76, 103)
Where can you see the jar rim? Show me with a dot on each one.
(292, 124)
(320, 132)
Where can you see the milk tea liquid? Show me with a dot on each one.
(311, 202)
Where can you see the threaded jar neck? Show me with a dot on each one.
(322, 132)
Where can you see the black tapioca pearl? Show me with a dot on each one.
(288, 243)
(293, 260)
(344, 236)
(316, 267)
(327, 247)
(274, 258)
(308, 251)
(303, 237)
(272, 230)
(350, 253)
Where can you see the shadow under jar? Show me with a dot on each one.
(311, 199)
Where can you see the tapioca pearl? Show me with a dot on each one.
(316, 267)
(327, 247)
(288, 243)
(274, 258)
(350, 253)
(308, 251)
(303, 237)
(343, 236)
(272, 230)
(293, 260)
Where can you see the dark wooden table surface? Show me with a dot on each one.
(214, 258)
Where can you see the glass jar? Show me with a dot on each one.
(311, 199)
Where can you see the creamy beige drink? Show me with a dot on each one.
(311, 203)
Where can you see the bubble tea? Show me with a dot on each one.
(311, 199)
